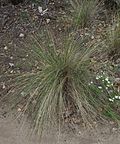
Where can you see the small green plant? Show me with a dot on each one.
(83, 12)
(113, 38)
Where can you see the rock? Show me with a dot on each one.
(11, 64)
(47, 20)
(5, 48)
(21, 35)
(40, 9)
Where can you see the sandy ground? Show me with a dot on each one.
(11, 132)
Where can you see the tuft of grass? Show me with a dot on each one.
(83, 12)
(61, 80)
(113, 37)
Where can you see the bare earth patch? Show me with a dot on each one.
(12, 132)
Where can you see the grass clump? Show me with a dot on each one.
(83, 12)
(113, 38)
(62, 79)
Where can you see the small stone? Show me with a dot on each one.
(44, 12)
(92, 37)
(5, 48)
(80, 132)
(23, 59)
(114, 129)
(112, 122)
(11, 71)
(40, 9)
(11, 64)
(11, 57)
(59, 29)
(47, 20)
(3, 86)
(19, 110)
(21, 35)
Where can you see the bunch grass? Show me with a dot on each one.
(83, 12)
(113, 36)
(61, 80)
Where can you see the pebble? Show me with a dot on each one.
(3, 86)
(11, 57)
(47, 20)
(114, 129)
(11, 64)
(92, 37)
(19, 109)
(11, 71)
(40, 9)
(5, 48)
(21, 35)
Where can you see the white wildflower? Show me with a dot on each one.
(111, 100)
(108, 85)
(108, 82)
(107, 79)
(98, 77)
(99, 87)
(106, 88)
(116, 97)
